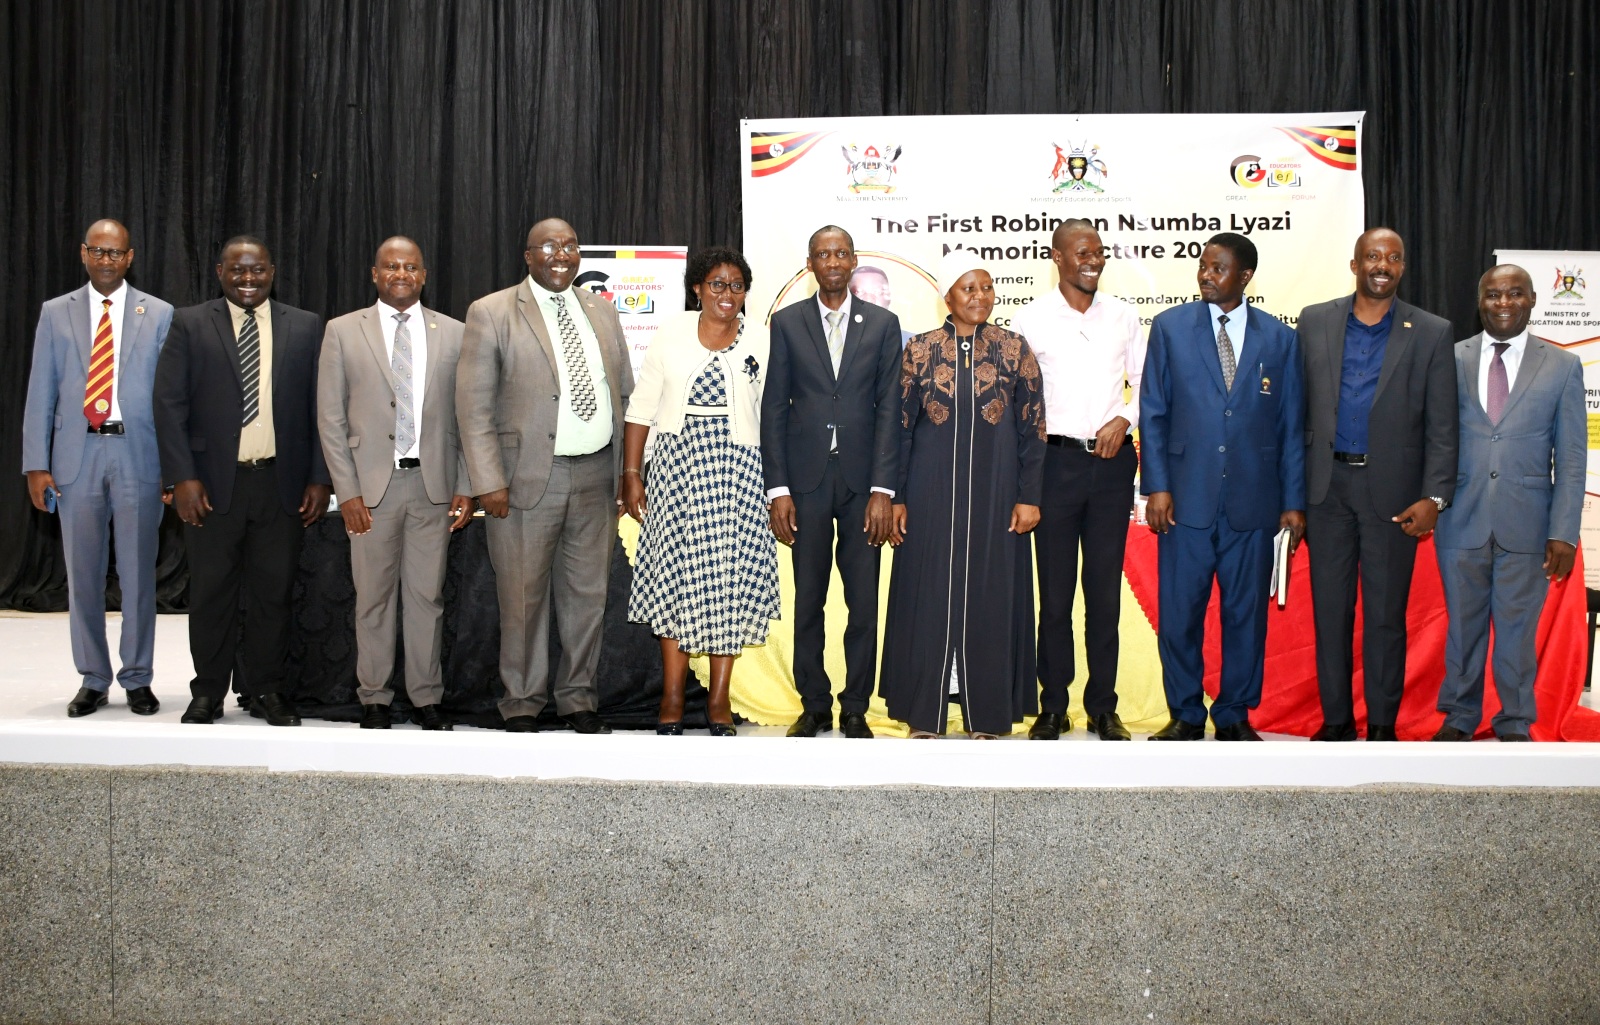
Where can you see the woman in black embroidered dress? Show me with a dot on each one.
(960, 616)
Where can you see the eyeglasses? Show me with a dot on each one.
(551, 249)
(97, 253)
(718, 286)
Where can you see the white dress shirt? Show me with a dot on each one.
(1092, 362)
(119, 300)
(1512, 358)
(417, 328)
(576, 437)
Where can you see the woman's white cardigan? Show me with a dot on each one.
(661, 394)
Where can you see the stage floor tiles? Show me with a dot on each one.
(37, 679)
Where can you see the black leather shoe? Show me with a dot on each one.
(1241, 730)
(375, 717)
(1449, 734)
(276, 709)
(1046, 727)
(1514, 738)
(1381, 733)
(203, 711)
(722, 729)
(430, 718)
(142, 701)
(1177, 729)
(1108, 726)
(85, 702)
(854, 726)
(810, 724)
(586, 722)
(522, 724)
(669, 729)
(1335, 731)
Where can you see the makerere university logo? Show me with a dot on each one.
(871, 169)
(1076, 170)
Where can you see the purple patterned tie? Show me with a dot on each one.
(1499, 386)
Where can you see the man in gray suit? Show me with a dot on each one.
(1519, 497)
(387, 374)
(89, 446)
(540, 393)
(1380, 467)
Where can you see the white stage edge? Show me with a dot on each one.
(37, 679)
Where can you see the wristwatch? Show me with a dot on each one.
(1441, 503)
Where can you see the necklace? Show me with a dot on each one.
(966, 349)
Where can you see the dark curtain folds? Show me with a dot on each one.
(326, 125)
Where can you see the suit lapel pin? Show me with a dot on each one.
(433, 324)
(858, 318)
(1406, 323)
(139, 310)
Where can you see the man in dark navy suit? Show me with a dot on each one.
(1223, 462)
(830, 448)
(236, 424)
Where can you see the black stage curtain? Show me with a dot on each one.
(326, 125)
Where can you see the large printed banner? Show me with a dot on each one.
(645, 283)
(1568, 313)
(909, 189)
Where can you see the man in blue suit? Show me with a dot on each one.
(1222, 459)
(90, 438)
(1519, 496)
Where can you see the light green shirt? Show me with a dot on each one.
(575, 437)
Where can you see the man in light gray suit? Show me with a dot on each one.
(89, 447)
(1519, 496)
(387, 375)
(540, 394)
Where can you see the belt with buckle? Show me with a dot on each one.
(257, 464)
(1062, 441)
(109, 427)
(1353, 458)
(407, 464)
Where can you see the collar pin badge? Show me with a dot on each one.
(1406, 323)
(139, 310)
(858, 318)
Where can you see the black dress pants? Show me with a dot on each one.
(1085, 506)
(251, 550)
(834, 510)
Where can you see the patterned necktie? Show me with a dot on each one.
(1499, 383)
(1225, 353)
(250, 365)
(405, 424)
(835, 339)
(102, 371)
(577, 367)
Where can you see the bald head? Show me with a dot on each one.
(1379, 263)
(107, 255)
(398, 272)
(552, 254)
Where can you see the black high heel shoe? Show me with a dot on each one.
(669, 729)
(721, 729)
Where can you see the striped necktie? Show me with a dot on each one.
(102, 371)
(250, 366)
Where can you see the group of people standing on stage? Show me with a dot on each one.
(830, 431)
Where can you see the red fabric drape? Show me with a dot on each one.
(1289, 691)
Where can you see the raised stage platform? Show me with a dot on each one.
(157, 873)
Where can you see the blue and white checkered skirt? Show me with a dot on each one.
(706, 572)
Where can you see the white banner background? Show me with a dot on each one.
(910, 188)
(1568, 313)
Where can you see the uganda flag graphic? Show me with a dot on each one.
(771, 152)
(1335, 147)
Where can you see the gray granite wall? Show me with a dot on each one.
(208, 896)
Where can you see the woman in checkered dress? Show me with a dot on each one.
(705, 577)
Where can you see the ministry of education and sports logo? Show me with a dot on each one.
(1078, 168)
(1568, 281)
(871, 169)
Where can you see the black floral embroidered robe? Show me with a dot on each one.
(961, 591)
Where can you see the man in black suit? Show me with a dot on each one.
(830, 443)
(236, 424)
(1381, 431)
